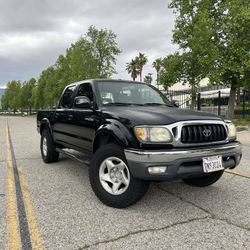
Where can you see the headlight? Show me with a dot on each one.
(153, 134)
(231, 131)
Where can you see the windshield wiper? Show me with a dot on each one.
(136, 104)
(156, 104)
(153, 104)
(118, 104)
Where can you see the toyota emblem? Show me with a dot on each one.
(207, 132)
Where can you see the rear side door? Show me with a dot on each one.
(63, 133)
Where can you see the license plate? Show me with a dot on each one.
(212, 163)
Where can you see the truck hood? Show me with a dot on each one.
(153, 115)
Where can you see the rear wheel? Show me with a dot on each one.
(111, 179)
(48, 149)
(205, 180)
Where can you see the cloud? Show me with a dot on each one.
(34, 33)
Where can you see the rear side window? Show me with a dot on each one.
(67, 98)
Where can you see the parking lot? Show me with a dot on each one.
(57, 208)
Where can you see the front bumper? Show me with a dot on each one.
(180, 163)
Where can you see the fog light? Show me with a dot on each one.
(157, 170)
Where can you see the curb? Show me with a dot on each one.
(242, 128)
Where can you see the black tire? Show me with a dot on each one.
(135, 190)
(52, 155)
(205, 180)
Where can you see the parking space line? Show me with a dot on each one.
(238, 172)
(23, 230)
(14, 239)
(35, 235)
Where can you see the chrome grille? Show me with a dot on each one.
(203, 133)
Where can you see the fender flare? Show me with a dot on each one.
(118, 131)
(45, 123)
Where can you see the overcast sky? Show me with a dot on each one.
(34, 32)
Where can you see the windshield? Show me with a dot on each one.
(127, 93)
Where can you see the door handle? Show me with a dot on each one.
(70, 117)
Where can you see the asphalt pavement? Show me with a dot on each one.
(55, 207)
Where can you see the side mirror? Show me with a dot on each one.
(175, 103)
(82, 102)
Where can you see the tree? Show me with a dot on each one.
(231, 37)
(141, 61)
(25, 95)
(63, 72)
(148, 78)
(193, 33)
(104, 48)
(91, 56)
(132, 69)
(35, 98)
(171, 70)
(214, 39)
(157, 64)
(10, 99)
(5, 102)
(80, 62)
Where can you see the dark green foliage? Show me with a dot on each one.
(213, 40)
(11, 97)
(171, 70)
(148, 78)
(132, 69)
(157, 64)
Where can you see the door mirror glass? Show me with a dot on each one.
(82, 102)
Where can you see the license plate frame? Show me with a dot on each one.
(212, 164)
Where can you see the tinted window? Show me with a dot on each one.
(85, 89)
(107, 97)
(67, 97)
(127, 93)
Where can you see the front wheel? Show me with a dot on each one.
(205, 180)
(111, 179)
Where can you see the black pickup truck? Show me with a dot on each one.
(129, 134)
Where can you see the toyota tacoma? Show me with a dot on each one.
(130, 134)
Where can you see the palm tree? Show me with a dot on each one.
(157, 64)
(148, 78)
(141, 60)
(132, 69)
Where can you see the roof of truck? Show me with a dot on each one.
(103, 80)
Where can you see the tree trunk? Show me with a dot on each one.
(231, 102)
(238, 98)
(193, 97)
(140, 76)
(157, 79)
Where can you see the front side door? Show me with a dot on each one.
(85, 120)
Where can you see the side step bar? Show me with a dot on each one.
(75, 155)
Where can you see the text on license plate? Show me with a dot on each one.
(212, 163)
